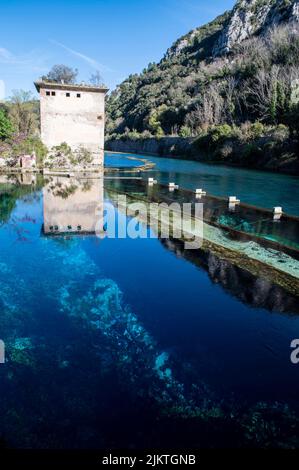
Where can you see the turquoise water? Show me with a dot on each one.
(121, 161)
(243, 222)
(134, 343)
(263, 189)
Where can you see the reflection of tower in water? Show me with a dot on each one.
(73, 206)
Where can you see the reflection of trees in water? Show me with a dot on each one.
(10, 192)
(64, 187)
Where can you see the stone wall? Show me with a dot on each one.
(165, 146)
(178, 147)
(76, 117)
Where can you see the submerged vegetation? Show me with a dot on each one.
(101, 351)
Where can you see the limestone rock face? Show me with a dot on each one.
(247, 18)
(250, 17)
(181, 44)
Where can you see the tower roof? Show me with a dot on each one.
(71, 87)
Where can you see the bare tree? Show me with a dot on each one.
(230, 98)
(209, 111)
(23, 110)
(260, 93)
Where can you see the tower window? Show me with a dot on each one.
(78, 95)
(47, 93)
(53, 93)
(68, 95)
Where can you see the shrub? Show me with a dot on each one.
(146, 134)
(63, 156)
(6, 127)
(220, 133)
(185, 131)
(250, 150)
(257, 129)
(133, 135)
(30, 145)
(281, 133)
(226, 151)
(81, 156)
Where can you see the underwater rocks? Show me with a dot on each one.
(68, 328)
(20, 352)
(132, 349)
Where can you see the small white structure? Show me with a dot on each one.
(28, 161)
(74, 114)
(232, 203)
(151, 181)
(277, 213)
(234, 200)
(200, 192)
(173, 186)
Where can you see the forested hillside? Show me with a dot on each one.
(232, 84)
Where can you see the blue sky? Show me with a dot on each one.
(118, 37)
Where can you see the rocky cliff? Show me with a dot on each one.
(248, 17)
(251, 17)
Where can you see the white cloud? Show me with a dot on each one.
(32, 61)
(89, 60)
(5, 55)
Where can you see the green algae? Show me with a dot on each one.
(273, 425)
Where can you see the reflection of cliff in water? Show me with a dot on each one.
(255, 291)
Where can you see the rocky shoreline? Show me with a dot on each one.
(71, 171)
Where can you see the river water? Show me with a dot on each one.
(262, 189)
(134, 343)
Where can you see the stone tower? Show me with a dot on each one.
(74, 114)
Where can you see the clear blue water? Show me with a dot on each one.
(120, 160)
(262, 189)
(282, 235)
(133, 343)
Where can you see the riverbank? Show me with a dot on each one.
(261, 152)
(70, 167)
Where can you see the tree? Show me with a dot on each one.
(6, 128)
(61, 74)
(96, 79)
(23, 112)
(154, 124)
